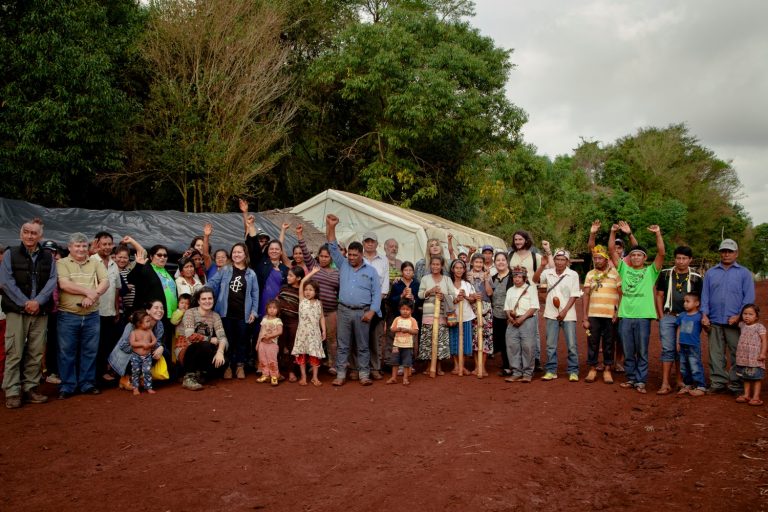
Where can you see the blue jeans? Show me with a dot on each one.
(520, 347)
(635, 334)
(238, 333)
(78, 334)
(668, 334)
(691, 366)
(553, 333)
(349, 323)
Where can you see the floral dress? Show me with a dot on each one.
(309, 337)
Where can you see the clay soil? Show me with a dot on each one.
(449, 444)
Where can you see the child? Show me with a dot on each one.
(266, 345)
(142, 342)
(405, 329)
(520, 306)
(689, 347)
(481, 281)
(750, 355)
(185, 300)
(311, 331)
(465, 298)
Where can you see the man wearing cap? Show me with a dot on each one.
(487, 252)
(600, 305)
(638, 305)
(563, 289)
(377, 339)
(27, 281)
(108, 303)
(728, 287)
(672, 286)
(82, 281)
(359, 301)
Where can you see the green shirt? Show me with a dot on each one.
(638, 288)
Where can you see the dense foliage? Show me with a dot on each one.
(189, 104)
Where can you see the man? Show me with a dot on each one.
(488, 266)
(600, 304)
(563, 289)
(638, 305)
(728, 287)
(108, 304)
(672, 286)
(391, 248)
(82, 281)
(359, 301)
(27, 280)
(377, 340)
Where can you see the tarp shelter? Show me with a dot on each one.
(411, 228)
(171, 228)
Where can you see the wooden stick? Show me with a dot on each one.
(480, 370)
(435, 331)
(461, 338)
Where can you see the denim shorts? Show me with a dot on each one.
(403, 357)
(750, 372)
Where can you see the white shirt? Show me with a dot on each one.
(529, 299)
(381, 264)
(469, 312)
(565, 289)
(107, 301)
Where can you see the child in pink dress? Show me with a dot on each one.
(750, 355)
(266, 345)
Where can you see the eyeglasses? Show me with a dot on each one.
(161, 255)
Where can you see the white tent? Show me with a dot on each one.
(412, 229)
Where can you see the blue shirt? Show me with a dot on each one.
(690, 328)
(357, 286)
(726, 291)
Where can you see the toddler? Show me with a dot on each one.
(750, 355)
(266, 344)
(405, 329)
(689, 347)
(142, 342)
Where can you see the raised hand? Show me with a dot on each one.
(331, 220)
(299, 230)
(285, 226)
(243, 205)
(595, 227)
(250, 220)
(624, 227)
(208, 229)
(545, 245)
(654, 229)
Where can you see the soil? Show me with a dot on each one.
(456, 443)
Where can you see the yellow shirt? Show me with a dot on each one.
(603, 288)
(87, 274)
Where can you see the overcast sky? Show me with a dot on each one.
(602, 69)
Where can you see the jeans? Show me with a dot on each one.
(78, 334)
(553, 333)
(24, 346)
(520, 347)
(635, 334)
(691, 366)
(239, 337)
(722, 337)
(668, 334)
(349, 325)
(537, 340)
(600, 328)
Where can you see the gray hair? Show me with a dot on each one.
(77, 238)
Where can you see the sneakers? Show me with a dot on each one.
(513, 378)
(190, 382)
(33, 397)
(573, 377)
(228, 373)
(527, 379)
(274, 381)
(240, 372)
(13, 402)
(53, 379)
(549, 376)
(591, 376)
(716, 390)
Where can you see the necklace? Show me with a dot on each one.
(680, 282)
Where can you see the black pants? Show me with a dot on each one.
(199, 357)
(500, 341)
(600, 329)
(107, 340)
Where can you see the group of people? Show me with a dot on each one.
(91, 316)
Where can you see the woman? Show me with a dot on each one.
(152, 280)
(188, 280)
(500, 284)
(465, 299)
(406, 287)
(220, 260)
(201, 349)
(271, 273)
(433, 249)
(120, 357)
(289, 314)
(481, 282)
(236, 291)
(435, 284)
(328, 280)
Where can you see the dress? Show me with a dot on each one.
(309, 338)
(750, 345)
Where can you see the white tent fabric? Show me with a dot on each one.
(412, 229)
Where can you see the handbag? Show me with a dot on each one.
(160, 370)
(452, 319)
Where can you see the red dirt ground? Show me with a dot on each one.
(451, 444)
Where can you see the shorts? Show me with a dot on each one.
(403, 357)
(750, 372)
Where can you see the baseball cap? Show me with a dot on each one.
(564, 253)
(619, 241)
(487, 248)
(50, 245)
(262, 234)
(370, 235)
(728, 245)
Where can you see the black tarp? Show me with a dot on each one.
(171, 228)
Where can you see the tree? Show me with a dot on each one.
(219, 105)
(65, 105)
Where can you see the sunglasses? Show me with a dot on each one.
(161, 255)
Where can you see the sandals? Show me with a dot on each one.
(316, 383)
(665, 390)
(627, 385)
(742, 399)
(756, 402)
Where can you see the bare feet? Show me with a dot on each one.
(440, 372)
(406, 382)
(316, 383)
(392, 380)
(292, 378)
(302, 382)
(136, 392)
(151, 391)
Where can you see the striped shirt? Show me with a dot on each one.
(327, 278)
(87, 274)
(603, 289)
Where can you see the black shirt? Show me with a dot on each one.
(237, 291)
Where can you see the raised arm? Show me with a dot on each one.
(207, 231)
(309, 261)
(249, 222)
(612, 245)
(284, 255)
(660, 250)
(593, 229)
(141, 253)
(451, 253)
